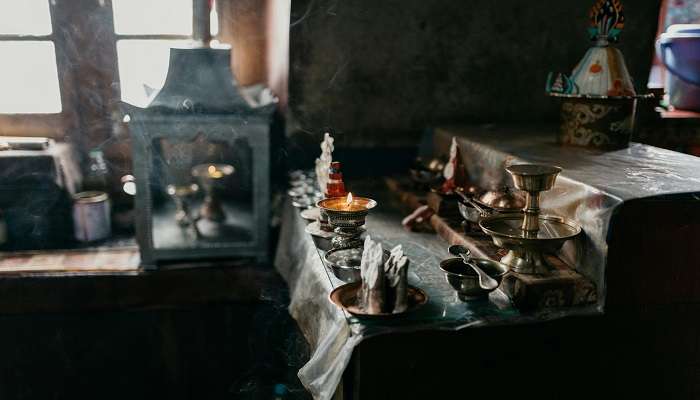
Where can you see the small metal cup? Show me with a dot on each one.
(465, 281)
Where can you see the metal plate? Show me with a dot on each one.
(311, 214)
(552, 227)
(314, 229)
(345, 297)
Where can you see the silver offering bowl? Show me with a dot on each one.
(345, 263)
(347, 219)
(465, 281)
(529, 236)
(211, 177)
(181, 195)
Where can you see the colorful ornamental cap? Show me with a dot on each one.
(607, 20)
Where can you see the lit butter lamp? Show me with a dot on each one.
(210, 178)
(347, 217)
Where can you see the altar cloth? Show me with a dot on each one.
(332, 334)
(593, 187)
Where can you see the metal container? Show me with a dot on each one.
(347, 220)
(465, 281)
(322, 238)
(468, 212)
(678, 49)
(345, 263)
(474, 207)
(91, 216)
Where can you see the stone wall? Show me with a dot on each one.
(380, 71)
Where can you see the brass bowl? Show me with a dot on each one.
(533, 177)
(346, 297)
(339, 218)
(465, 281)
(502, 200)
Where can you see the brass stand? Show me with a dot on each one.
(522, 234)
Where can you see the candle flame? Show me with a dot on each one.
(348, 200)
(214, 172)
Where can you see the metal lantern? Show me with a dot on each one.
(201, 163)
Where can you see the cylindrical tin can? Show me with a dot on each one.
(91, 216)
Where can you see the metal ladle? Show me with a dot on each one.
(485, 281)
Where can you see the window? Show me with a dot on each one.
(28, 72)
(145, 32)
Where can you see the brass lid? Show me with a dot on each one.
(92, 196)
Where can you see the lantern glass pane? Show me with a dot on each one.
(201, 193)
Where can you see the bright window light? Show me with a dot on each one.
(152, 17)
(28, 77)
(25, 17)
(143, 65)
(213, 20)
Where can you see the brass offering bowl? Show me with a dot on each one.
(465, 281)
(533, 179)
(503, 200)
(347, 217)
(473, 205)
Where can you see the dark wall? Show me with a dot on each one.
(383, 70)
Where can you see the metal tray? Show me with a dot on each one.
(345, 297)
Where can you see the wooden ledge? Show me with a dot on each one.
(107, 280)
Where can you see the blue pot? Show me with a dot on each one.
(679, 50)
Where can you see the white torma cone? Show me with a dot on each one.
(396, 269)
(372, 274)
(323, 163)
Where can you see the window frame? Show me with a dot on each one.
(53, 125)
